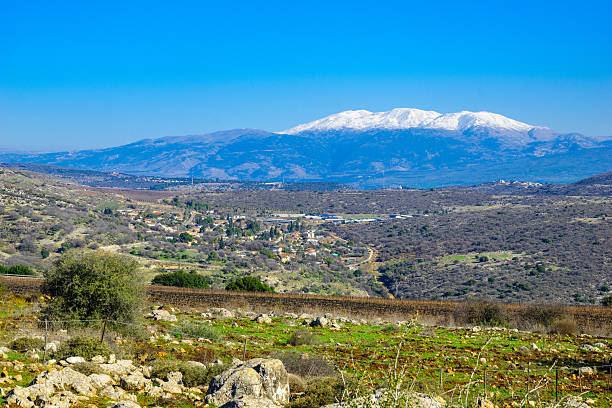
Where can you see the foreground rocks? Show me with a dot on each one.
(382, 397)
(121, 381)
(258, 383)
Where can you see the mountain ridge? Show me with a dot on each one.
(362, 157)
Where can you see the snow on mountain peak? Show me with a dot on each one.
(406, 118)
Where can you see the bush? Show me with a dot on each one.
(481, 313)
(193, 375)
(248, 284)
(296, 384)
(301, 337)
(566, 326)
(82, 346)
(544, 315)
(607, 301)
(16, 270)
(320, 392)
(182, 279)
(24, 344)
(87, 368)
(94, 286)
(306, 365)
(197, 330)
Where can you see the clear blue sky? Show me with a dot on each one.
(79, 74)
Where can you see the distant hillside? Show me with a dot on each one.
(599, 185)
(402, 147)
(95, 178)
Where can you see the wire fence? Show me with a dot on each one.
(532, 381)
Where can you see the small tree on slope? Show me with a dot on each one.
(93, 286)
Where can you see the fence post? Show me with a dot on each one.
(103, 331)
(441, 384)
(528, 375)
(485, 383)
(609, 373)
(45, 349)
(580, 380)
(556, 385)
(244, 350)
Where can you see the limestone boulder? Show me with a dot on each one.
(256, 379)
(382, 398)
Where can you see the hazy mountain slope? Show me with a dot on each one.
(399, 147)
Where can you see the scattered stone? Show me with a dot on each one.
(258, 379)
(98, 360)
(381, 398)
(221, 313)
(135, 382)
(75, 360)
(586, 371)
(573, 401)
(100, 381)
(163, 315)
(263, 318)
(588, 347)
(600, 345)
(534, 347)
(523, 350)
(320, 322)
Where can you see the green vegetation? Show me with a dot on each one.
(94, 286)
(182, 279)
(301, 337)
(248, 284)
(24, 344)
(82, 346)
(193, 375)
(16, 270)
(197, 330)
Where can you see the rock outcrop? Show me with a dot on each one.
(255, 383)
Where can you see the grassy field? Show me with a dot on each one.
(514, 368)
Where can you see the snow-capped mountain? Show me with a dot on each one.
(408, 118)
(366, 149)
(465, 125)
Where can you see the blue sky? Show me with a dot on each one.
(77, 74)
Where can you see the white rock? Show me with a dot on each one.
(75, 360)
(100, 380)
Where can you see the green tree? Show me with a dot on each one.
(94, 286)
(181, 279)
(248, 284)
(185, 237)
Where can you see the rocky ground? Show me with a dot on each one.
(221, 358)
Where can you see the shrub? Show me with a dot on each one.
(306, 365)
(296, 384)
(182, 279)
(320, 392)
(16, 270)
(82, 346)
(544, 315)
(197, 330)
(481, 312)
(607, 301)
(87, 368)
(23, 344)
(564, 326)
(193, 374)
(248, 284)
(301, 337)
(94, 286)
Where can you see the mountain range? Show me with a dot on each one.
(400, 147)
